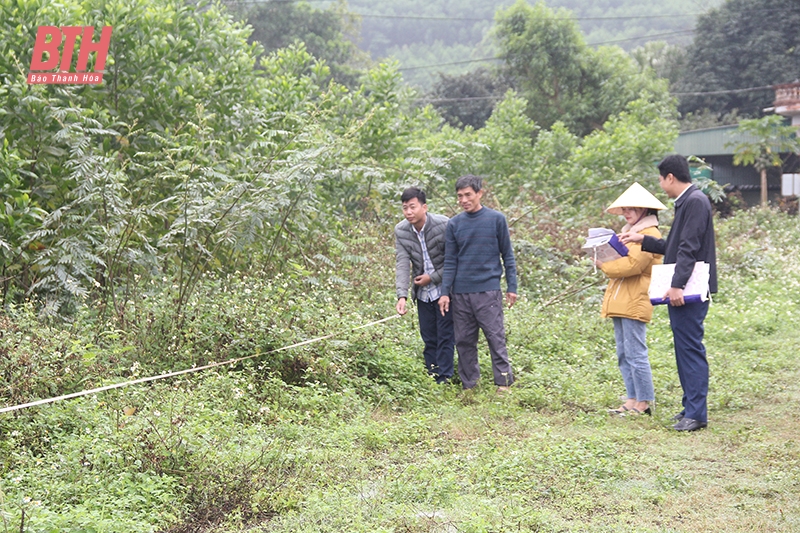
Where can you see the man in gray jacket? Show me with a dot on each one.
(419, 243)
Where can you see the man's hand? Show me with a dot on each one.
(631, 237)
(511, 298)
(421, 281)
(401, 306)
(675, 296)
(444, 304)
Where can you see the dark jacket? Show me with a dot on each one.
(408, 251)
(690, 239)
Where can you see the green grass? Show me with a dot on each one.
(349, 435)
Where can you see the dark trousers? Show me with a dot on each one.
(437, 334)
(690, 355)
(482, 310)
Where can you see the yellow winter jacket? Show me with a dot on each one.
(629, 277)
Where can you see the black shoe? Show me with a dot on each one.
(678, 417)
(689, 424)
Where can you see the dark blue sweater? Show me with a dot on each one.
(474, 244)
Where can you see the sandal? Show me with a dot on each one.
(620, 411)
(635, 412)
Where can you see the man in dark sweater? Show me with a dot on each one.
(690, 239)
(475, 242)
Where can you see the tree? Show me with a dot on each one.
(186, 159)
(739, 46)
(666, 60)
(328, 34)
(468, 99)
(771, 139)
(542, 51)
(507, 136)
(705, 119)
(561, 77)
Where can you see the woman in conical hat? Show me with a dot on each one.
(626, 301)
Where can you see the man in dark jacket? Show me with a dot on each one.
(691, 239)
(419, 243)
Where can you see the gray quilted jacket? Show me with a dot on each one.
(408, 251)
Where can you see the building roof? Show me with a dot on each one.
(787, 99)
(711, 141)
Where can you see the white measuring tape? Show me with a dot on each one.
(179, 372)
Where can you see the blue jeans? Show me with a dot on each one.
(632, 358)
(690, 356)
(437, 334)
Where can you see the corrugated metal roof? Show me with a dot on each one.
(711, 141)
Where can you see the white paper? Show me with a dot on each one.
(696, 288)
(599, 247)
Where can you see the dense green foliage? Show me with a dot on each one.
(561, 77)
(741, 45)
(666, 60)
(328, 34)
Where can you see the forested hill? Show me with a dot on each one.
(431, 32)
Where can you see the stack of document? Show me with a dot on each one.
(696, 289)
(604, 245)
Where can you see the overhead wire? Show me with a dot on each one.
(486, 59)
(679, 32)
(490, 19)
(460, 99)
(433, 100)
(483, 59)
(727, 91)
(471, 19)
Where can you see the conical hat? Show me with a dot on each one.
(635, 196)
